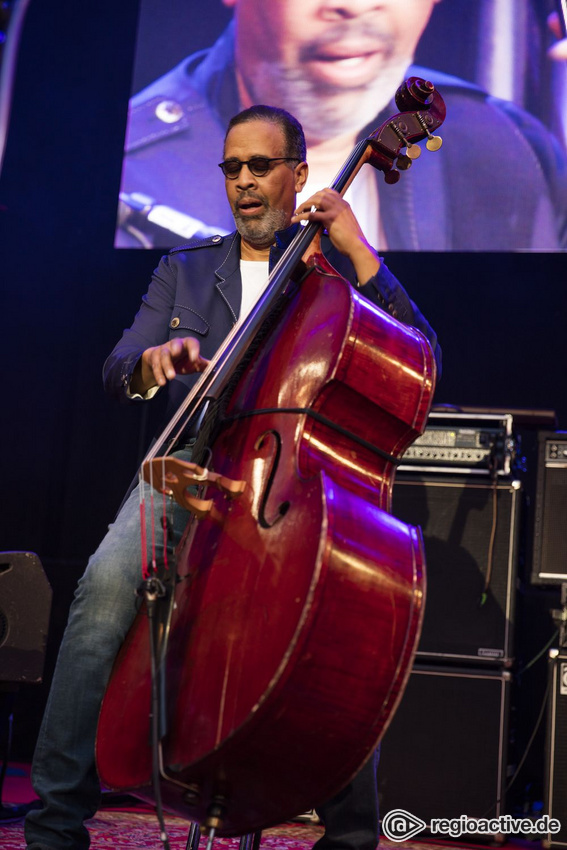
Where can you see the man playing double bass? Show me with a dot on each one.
(195, 297)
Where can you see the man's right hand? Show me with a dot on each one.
(161, 363)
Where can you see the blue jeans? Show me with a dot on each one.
(64, 773)
(351, 816)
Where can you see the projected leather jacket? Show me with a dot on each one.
(499, 182)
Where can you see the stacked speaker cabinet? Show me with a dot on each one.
(470, 531)
(549, 567)
(549, 564)
(445, 752)
(556, 750)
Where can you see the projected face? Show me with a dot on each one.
(333, 63)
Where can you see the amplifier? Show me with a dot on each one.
(556, 747)
(549, 563)
(445, 752)
(464, 443)
(471, 534)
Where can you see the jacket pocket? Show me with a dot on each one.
(183, 319)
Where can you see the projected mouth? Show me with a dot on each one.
(346, 68)
(347, 60)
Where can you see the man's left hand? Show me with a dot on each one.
(335, 214)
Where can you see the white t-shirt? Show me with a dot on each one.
(254, 277)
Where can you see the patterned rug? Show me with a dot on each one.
(130, 830)
(120, 829)
(128, 824)
(127, 829)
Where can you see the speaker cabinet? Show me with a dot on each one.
(25, 606)
(556, 747)
(445, 752)
(470, 531)
(549, 563)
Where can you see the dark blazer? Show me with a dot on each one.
(196, 291)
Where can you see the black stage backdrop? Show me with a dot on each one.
(68, 453)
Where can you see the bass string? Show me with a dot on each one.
(220, 367)
(283, 269)
(239, 337)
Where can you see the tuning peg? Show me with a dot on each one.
(400, 129)
(403, 162)
(433, 143)
(392, 176)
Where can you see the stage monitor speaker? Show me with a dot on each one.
(445, 752)
(25, 606)
(470, 531)
(549, 562)
(556, 747)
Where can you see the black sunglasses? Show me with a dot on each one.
(258, 165)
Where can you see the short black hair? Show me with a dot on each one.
(292, 129)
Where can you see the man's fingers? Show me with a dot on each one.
(306, 210)
(161, 365)
(179, 356)
(190, 359)
(309, 214)
(320, 201)
(326, 205)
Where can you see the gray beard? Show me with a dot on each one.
(325, 112)
(260, 232)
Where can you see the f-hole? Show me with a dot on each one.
(284, 506)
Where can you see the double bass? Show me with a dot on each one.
(289, 629)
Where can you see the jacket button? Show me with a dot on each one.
(169, 111)
(174, 323)
(216, 239)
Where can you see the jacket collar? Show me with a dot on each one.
(230, 260)
(284, 237)
(229, 281)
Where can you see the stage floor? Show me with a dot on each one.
(128, 824)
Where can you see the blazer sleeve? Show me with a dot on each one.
(150, 327)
